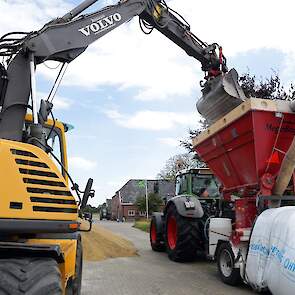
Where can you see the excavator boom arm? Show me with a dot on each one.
(63, 39)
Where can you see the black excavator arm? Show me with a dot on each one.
(63, 39)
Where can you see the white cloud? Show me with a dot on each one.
(155, 73)
(113, 114)
(116, 184)
(153, 65)
(29, 15)
(82, 137)
(241, 27)
(152, 120)
(157, 69)
(170, 141)
(59, 102)
(62, 103)
(81, 163)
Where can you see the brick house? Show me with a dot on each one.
(123, 202)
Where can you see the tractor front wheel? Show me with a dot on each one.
(183, 236)
(30, 276)
(156, 236)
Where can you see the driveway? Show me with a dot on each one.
(151, 273)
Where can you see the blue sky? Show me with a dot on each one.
(132, 97)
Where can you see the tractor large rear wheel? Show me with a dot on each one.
(30, 276)
(183, 236)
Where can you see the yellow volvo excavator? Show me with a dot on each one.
(40, 243)
(40, 246)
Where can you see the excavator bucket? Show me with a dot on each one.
(221, 95)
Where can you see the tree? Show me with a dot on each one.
(188, 143)
(154, 200)
(91, 209)
(178, 163)
(267, 88)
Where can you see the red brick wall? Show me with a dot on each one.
(121, 210)
(116, 208)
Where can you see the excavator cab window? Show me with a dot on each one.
(54, 141)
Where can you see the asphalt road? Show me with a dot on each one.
(151, 273)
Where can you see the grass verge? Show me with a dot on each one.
(143, 225)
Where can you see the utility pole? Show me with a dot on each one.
(146, 199)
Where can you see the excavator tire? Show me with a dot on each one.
(74, 285)
(30, 276)
(183, 236)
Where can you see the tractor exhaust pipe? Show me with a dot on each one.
(220, 95)
(285, 174)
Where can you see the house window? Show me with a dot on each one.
(142, 213)
(131, 212)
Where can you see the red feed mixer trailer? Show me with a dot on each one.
(251, 151)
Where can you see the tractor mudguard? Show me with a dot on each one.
(187, 206)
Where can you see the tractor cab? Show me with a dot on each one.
(199, 182)
(182, 229)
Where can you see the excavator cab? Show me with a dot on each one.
(55, 134)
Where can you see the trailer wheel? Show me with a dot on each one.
(74, 285)
(156, 239)
(183, 237)
(30, 276)
(226, 265)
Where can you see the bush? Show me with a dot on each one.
(143, 225)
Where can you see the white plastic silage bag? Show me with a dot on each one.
(271, 257)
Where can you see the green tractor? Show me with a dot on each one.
(182, 229)
(105, 213)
